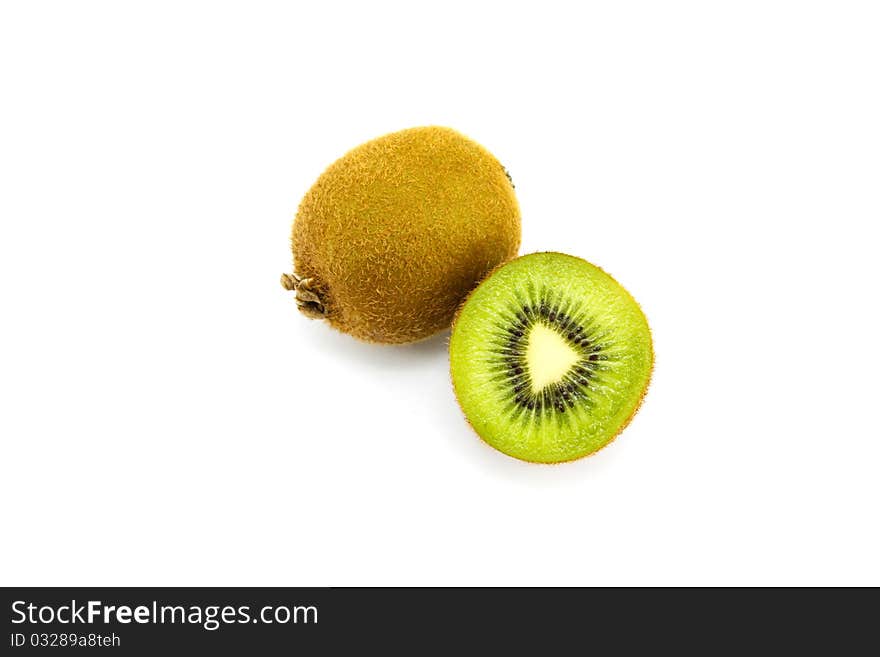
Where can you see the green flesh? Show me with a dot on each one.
(550, 358)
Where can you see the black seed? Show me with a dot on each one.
(560, 406)
(594, 357)
(517, 370)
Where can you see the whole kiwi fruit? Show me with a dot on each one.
(396, 233)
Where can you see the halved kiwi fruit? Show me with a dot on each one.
(550, 358)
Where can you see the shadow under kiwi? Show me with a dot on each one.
(327, 339)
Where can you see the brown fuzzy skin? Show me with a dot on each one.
(394, 235)
(623, 426)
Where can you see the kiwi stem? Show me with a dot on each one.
(308, 300)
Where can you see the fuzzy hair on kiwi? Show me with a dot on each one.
(395, 233)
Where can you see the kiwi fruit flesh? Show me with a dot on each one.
(550, 358)
(395, 234)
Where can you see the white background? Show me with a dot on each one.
(169, 418)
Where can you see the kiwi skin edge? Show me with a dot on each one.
(622, 426)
